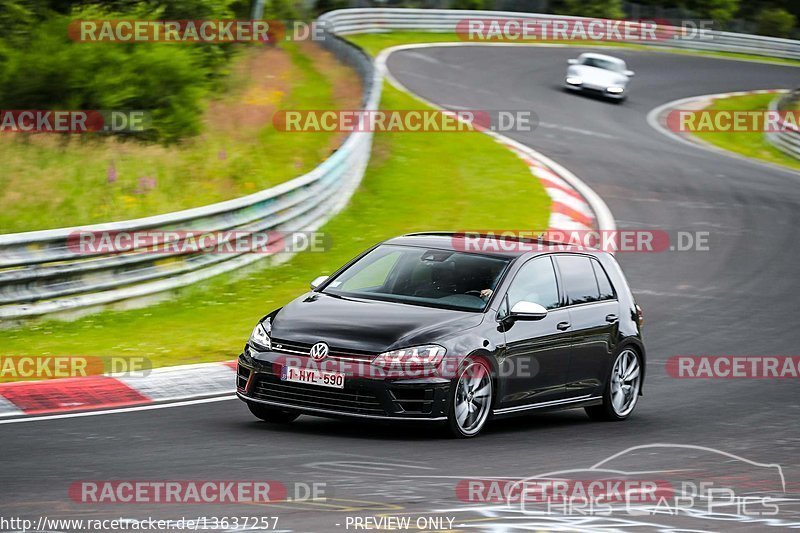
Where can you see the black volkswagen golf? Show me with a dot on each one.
(451, 328)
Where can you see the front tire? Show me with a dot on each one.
(270, 414)
(622, 388)
(471, 399)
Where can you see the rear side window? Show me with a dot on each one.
(579, 280)
(606, 290)
(535, 282)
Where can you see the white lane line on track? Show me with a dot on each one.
(149, 407)
(581, 131)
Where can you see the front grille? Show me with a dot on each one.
(301, 348)
(268, 386)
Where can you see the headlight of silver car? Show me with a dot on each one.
(260, 336)
(615, 89)
(574, 80)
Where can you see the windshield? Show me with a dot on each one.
(422, 276)
(602, 63)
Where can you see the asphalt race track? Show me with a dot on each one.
(740, 298)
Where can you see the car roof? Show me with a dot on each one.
(485, 243)
(602, 56)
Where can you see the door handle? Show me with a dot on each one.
(611, 318)
(561, 326)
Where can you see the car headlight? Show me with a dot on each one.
(615, 89)
(428, 356)
(260, 336)
(574, 80)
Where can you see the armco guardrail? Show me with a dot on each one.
(369, 20)
(42, 272)
(788, 138)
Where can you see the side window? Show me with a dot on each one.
(578, 277)
(606, 290)
(535, 282)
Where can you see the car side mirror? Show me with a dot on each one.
(572, 61)
(527, 311)
(629, 73)
(319, 280)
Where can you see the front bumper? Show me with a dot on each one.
(258, 380)
(597, 90)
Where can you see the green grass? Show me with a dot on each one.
(415, 181)
(233, 157)
(750, 144)
(375, 42)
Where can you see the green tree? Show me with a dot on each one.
(16, 17)
(719, 11)
(323, 6)
(280, 10)
(469, 4)
(776, 22)
(607, 9)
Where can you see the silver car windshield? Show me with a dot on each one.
(602, 63)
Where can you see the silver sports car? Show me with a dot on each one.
(598, 73)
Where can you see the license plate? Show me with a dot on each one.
(312, 377)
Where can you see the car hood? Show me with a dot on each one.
(597, 76)
(366, 325)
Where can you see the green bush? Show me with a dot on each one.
(167, 80)
(41, 68)
(776, 22)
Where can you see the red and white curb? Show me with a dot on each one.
(165, 384)
(568, 210)
(575, 206)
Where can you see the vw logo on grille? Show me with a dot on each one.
(319, 351)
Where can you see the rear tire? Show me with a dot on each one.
(470, 399)
(622, 388)
(270, 414)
